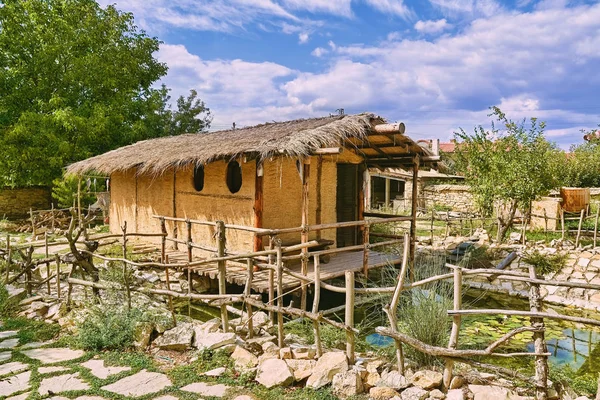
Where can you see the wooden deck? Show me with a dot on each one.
(335, 268)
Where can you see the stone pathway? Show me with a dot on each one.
(140, 384)
(51, 356)
(62, 383)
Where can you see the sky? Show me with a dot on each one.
(436, 65)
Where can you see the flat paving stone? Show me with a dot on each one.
(8, 334)
(14, 384)
(9, 343)
(62, 383)
(139, 384)
(35, 345)
(50, 370)
(49, 356)
(90, 398)
(98, 369)
(13, 367)
(204, 389)
(5, 355)
(166, 397)
(21, 396)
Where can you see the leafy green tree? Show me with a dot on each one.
(581, 166)
(75, 81)
(512, 166)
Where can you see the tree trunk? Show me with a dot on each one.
(507, 223)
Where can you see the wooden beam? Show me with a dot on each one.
(258, 204)
(390, 128)
(318, 211)
(328, 151)
(413, 214)
(304, 233)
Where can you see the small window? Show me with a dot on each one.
(234, 176)
(199, 177)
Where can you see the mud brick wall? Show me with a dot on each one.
(15, 203)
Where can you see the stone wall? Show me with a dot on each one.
(457, 197)
(15, 203)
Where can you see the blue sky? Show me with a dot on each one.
(435, 65)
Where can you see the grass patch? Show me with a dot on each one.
(109, 328)
(545, 263)
(30, 330)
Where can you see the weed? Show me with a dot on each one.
(110, 329)
(545, 263)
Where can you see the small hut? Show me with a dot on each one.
(273, 176)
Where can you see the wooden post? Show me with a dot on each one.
(258, 204)
(47, 263)
(305, 222)
(387, 193)
(189, 279)
(222, 265)
(315, 307)
(579, 227)
(545, 225)
(125, 277)
(188, 225)
(562, 222)
(366, 242)
(57, 257)
(432, 221)
(318, 211)
(596, 223)
(247, 293)
(169, 299)
(79, 203)
(524, 232)
(541, 361)
(163, 242)
(32, 222)
(52, 216)
(280, 335)
(349, 317)
(271, 276)
(453, 342)
(413, 214)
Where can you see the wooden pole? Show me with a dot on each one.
(169, 299)
(432, 220)
(247, 292)
(315, 307)
(47, 263)
(453, 342)
(349, 317)
(163, 241)
(125, 272)
(32, 222)
(79, 203)
(545, 225)
(413, 214)
(258, 204)
(221, 242)
(596, 223)
(271, 277)
(524, 234)
(57, 257)
(188, 225)
(579, 227)
(366, 242)
(280, 334)
(541, 362)
(387, 192)
(318, 211)
(52, 216)
(562, 222)
(304, 234)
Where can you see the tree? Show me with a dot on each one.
(582, 164)
(75, 81)
(512, 167)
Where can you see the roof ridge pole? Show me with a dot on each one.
(413, 215)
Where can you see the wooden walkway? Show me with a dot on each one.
(335, 268)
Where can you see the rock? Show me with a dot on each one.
(371, 379)
(243, 359)
(455, 394)
(178, 338)
(382, 393)
(140, 384)
(285, 353)
(414, 393)
(304, 353)
(486, 392)
(270, 350)
(436, 394)
(326, 367)
(274, 372)
(301, 369)
(49, 356)
(98, 369)
(50, 370)
(427, 379)
(210, 326)
(393, 379)
(12, 368)
(457, 382)
(260, 340)
(213, 340)
(515, 237)
(35, 345)
(215, 372)
(62, 383)
(346, 384)
(205, 389)
(142, 334)
(14, 384)
(8, 334)
(9, 344)
(39, 308)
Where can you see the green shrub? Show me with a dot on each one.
(545, 263)
(583, 384)
(108, 328)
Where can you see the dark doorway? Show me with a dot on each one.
(348, 184)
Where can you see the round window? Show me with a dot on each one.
(199, 177)
(234, 176)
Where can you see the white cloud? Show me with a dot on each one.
(319, 52)
(335, 7)
(303, 37)
(432, 26)
(486, 8)
(396, 7)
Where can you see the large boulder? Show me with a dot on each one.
(301, 369)
(178, 338)
(243, 359)
(213, 340)
(488, 392)
(326, 367)
(427, 379)
(393, 379)
(382, 393)
(274, 372)
(346, 384)
(414, 393)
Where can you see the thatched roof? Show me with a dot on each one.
(292, 138)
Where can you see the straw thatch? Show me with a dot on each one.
(292, 138)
